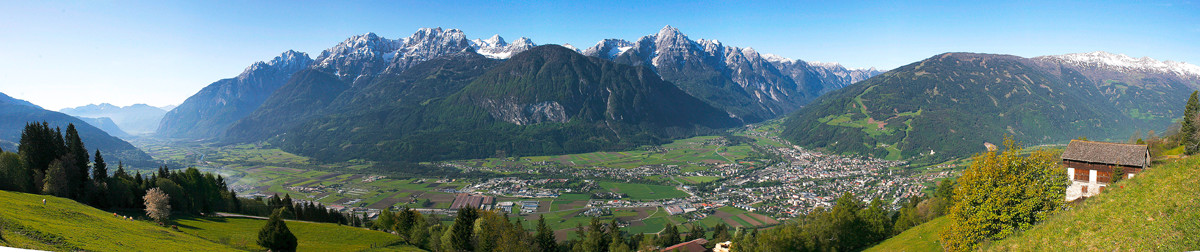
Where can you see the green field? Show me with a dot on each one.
(241, 233)
(924, 237)
(65, 225)
(644, 192)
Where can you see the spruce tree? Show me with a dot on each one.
(99, 168)
(463, 229)
(545, 236)
(78, 155)
(275, 235)
(1188, 127)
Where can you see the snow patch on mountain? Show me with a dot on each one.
(496, 48)
(1125, 63)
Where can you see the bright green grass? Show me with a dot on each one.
(644, 192)
(924, 237)
(85, 228)
(702, 179)
(573, 196)
(243, 232)
(1155, 211)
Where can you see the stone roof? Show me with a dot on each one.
(1107, 153)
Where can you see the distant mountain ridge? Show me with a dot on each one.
(134, 119)
(951, 104)
(14, 114)
(549, 98)
(107, 125)
(749, 85)
(209, 112)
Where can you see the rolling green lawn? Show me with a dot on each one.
(64, 224)
(242, 233)
(924, 237)
(644, 192)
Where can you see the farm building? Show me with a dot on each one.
(1091, 165)
(696, 245)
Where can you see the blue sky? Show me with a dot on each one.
(64, 53)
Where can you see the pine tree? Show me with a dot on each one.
(463, 229)
(78, 156)
(697, 232)
(275, 235)
(669, 236)
(99, 168)
(721, 233)
(1188, 127)
(545, 236)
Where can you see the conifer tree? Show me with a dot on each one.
(78, 156)
(545, 237)
(463, 229)
(1188, 127)
(669, 236)
(275, 235)
(99, 168)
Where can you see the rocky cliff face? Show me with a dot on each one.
(209, 112)
(750, 85)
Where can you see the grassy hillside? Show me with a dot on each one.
(1156, 211)
(923, 237)
(241, 233)
(64, 224)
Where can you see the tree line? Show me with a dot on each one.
(52, 161)
(55, 162)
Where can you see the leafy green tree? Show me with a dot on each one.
(545, 236)
(877, 222)
(1003, 193)
(847, 226)
(14, 175)
(57, 181)
(275, 235)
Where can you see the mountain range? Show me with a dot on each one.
(951, 104)
(385, 99)
(746, 86)
(136, 119)
(15, 113)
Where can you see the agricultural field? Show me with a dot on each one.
(643, 191)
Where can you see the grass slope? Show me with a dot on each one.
(1156, 211)
(64, 224)
(923, 237)
(241, 233)
(1153, 212)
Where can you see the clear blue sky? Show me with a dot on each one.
(64, 54)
